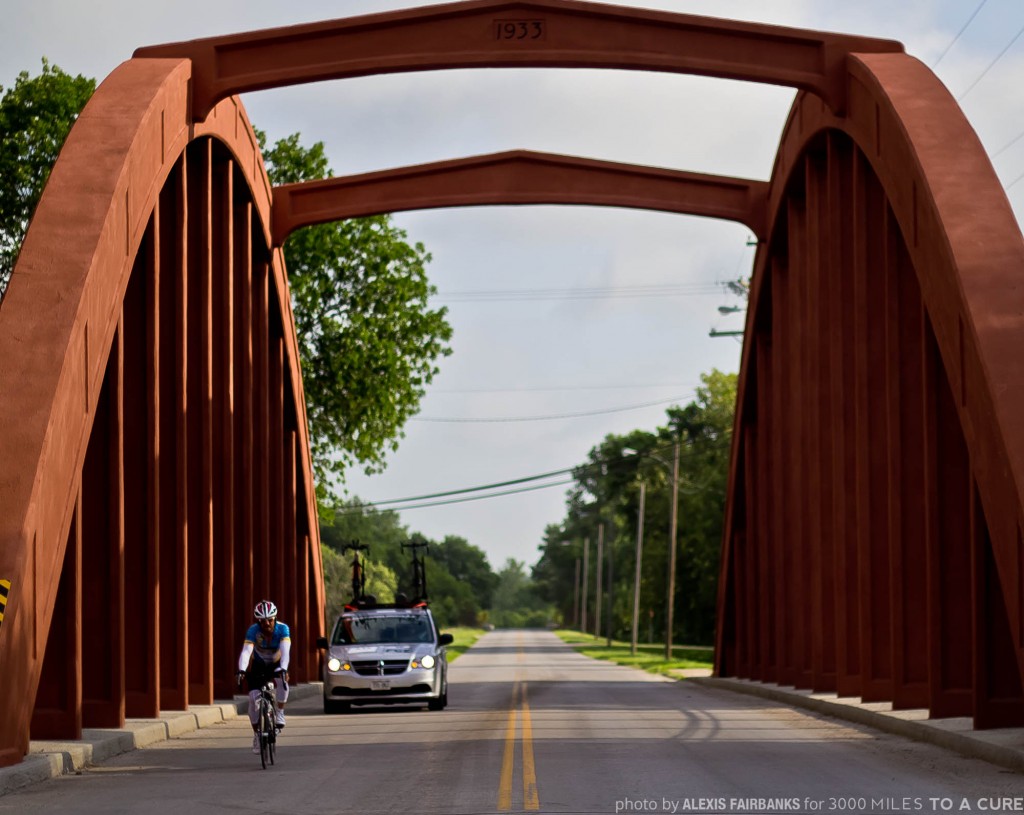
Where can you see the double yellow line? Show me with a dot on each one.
(530, 799)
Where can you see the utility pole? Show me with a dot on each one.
(611, 583)
(672, 468)
(672, 529)
(576, 598)
(586, 565)
(639, 555)
(597, 581)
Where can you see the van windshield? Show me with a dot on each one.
(366, 629)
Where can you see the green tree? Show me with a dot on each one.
(36, 116)
(350, 520)
(381, 582)
(368, 340)
(516, 602)
(467, 564)
(607, 492)
(451, 600)
(459, 578)
(706, 426)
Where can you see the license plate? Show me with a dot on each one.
(380, 684)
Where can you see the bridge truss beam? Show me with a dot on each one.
(518, 177)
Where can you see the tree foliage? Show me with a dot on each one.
(460, 580)
(36, 116)
(607, 492)
(468, 565)
(381, 581)
(516, 601)
(369, 342)
(368, 339)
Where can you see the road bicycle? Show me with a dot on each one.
(358, 574)
(266, 723)
(419, 571)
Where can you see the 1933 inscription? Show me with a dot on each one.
(520, 30)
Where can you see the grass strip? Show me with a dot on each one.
(648, 657)
(464, 639)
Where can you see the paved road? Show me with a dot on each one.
(532, 726)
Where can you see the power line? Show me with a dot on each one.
(1007, 146)
(510, 482)
(552, 389)
(999, 56)
(460, 420)
(959, 33)
(577, 472)
(476, 489)
(579, 293)
(1014, 182)
(361, 507)
(1020, 135)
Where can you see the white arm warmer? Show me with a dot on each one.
(286, 648)
(243, 658)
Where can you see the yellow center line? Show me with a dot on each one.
(530, 799)
(508, 760)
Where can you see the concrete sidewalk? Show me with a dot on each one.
(1003, 747)
(50, 759)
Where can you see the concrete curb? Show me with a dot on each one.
(1003, 747)
(50, 759)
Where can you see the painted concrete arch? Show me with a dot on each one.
(60, 327)
(935, 254)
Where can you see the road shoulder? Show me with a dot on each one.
(51, 759)
(1003, 747)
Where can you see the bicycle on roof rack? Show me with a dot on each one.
(419, 571)
(358, 570)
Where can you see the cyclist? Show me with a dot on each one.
(265, 656)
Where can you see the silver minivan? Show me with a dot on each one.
(385, 655)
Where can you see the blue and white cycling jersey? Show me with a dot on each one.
(272, 648)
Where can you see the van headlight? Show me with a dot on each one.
(334, 665)
(427, 661)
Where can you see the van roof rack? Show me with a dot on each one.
(364, 603)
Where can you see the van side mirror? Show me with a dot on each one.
(321, 642)
(445, 639)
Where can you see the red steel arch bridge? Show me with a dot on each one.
(155, 469)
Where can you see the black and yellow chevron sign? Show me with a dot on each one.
(5, 589)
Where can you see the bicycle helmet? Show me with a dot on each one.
(265, 610)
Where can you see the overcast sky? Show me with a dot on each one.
(569, 371)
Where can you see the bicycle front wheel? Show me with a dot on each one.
(264, 743)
